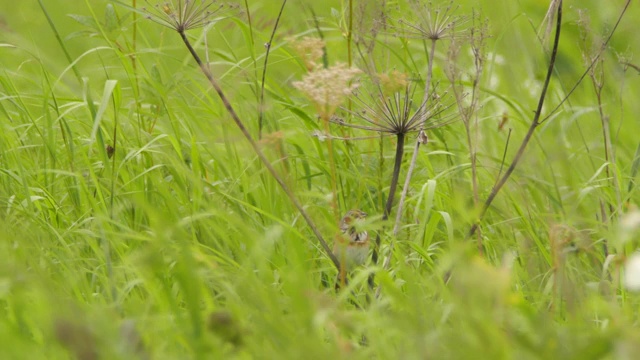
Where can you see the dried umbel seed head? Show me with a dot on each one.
(432, 23)
(396, 113)
(310, 50)
(327, 88)
(182, 15)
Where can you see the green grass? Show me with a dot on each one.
(182, 245)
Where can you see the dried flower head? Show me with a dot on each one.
(396, 114)
(393, 82)
(327, 88)
(183, 15)
(432, 23)
(310, 50)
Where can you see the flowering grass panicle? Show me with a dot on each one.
(327, 88)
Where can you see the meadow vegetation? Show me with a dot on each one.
(173, 174)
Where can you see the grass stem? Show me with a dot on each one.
(258, 151)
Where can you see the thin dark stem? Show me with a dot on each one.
(392, 193)
(504, 154)
(61, 42)
(414, 157)
(381, 168)
(113, 163)
(316, 24)
(134, 31)
(134, 64)
(534, 124)
(427, 82)
(395, 176)
(350, 33)
(477, 49)
(635, 67)
(473, 158)
(258, 151)
(597, 79)
(469, 114)
(407, 181)
(609, 154)
(264, 70)
(246, 6)
(634, 171)
(349, 56)
(593, 63)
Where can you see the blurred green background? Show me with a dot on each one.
(180, 245)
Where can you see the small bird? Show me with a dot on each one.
(352, 244)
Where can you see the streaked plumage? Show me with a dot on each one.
(352, 245)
